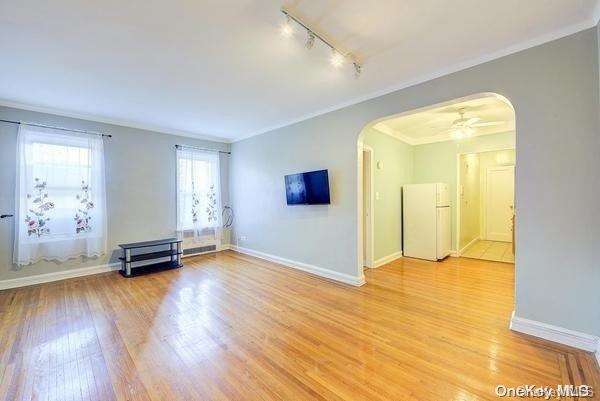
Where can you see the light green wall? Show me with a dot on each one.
(397, 170)
(437, 162)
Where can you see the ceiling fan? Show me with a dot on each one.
(465, 127)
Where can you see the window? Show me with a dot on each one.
(61, 211)
(198, 192)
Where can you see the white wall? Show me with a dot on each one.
(554, 89)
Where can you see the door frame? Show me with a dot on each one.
(485, 191)
(369, 239)
(481, 190)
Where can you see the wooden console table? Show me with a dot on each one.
(133, 252)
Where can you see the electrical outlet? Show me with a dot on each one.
(243, 238)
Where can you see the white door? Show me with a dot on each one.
(499, 202)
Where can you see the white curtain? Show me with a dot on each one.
(198, 193)
(60, 195)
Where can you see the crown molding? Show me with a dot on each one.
(383, 129)
(111, 121)
(588, 23)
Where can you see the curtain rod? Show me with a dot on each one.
(58, 128)
(208, 150)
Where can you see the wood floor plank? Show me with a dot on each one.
(229, 326)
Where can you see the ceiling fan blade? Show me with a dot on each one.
(489, 124)
(472, 120)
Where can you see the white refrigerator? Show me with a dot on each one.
(426, 221)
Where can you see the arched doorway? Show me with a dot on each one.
(462, 125)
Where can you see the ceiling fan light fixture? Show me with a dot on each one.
(462, 132)
(458, 134)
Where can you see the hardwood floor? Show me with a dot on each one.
(232, 327)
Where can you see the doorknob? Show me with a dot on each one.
(5, 216)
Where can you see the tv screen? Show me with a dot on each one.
(311, 188)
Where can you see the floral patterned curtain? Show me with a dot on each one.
(198, 192)
(60, 195)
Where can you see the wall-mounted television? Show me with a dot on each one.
(310, 188)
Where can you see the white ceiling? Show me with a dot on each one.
(434, 124)
(220, 69)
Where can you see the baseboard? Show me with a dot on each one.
(387, 259)
(57, 276)
(318, 271)
(586, 342)
(464, 248)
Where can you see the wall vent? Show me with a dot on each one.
(199, 250)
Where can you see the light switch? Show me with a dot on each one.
(376, 195)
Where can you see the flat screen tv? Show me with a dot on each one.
(311, 188)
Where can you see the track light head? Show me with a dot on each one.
(337, 59)
(310, 39)
(357, 69)
(287, 29)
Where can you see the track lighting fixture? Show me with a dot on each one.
(338, 57)
(310, 39)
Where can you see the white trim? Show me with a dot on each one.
(57, 276)
(387, 259)
(318, 271)
(464, 248)
(359, 207)
(597, 353)
(548, 37)
(556, 334)
(384, 129)
(112, 121)
(370, 240)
